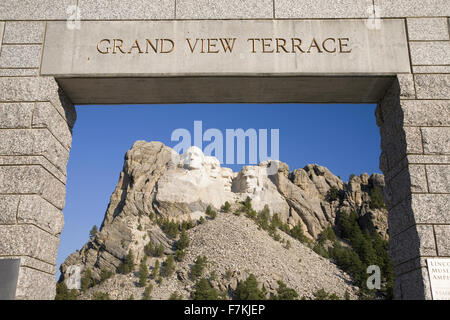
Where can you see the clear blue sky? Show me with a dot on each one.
(343, 138)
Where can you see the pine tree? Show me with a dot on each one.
(147, 292)
(248, 290)
(204, 291)
(155, 272)
(175, 296)
(87, 281)
(169, 266)
(285, 293)
(183, 242)
(62, 293)
(198, 267)
(226, 207)
(105, 274)
(127, 265)
(210, 212)
(143, 272)
(376, 198)
(93, 232)
(179, 254)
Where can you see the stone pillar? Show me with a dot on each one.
(36, 120)
(415, 142)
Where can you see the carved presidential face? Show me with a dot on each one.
(250, 180)
(193, 158)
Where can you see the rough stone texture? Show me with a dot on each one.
(32, 180)
(428, 159)
(427, 29)
(323, 9)
(406, 125)
(28, 240)
(402, 250)
(436, 140)
(431, 69)
(419, 208)
(2, 29)
(32, 209)
(26, 142)
(218, 9)
(34, 263)
(33, 160)
(406, 82)
(8, 209)
(430, 53)
(157, 181)
(426, 113)
(433, 86)
(46, 116)
(35, 284)
(35, 10)
(402, 160)
(20, 56)
(413, 8)
(439, 178)
(126, 9)
(237, 244)
(20, 32)
(414, 285)
(18, 72)
(15, 115)
(410, 179)
(32, 89)
(413, 140)
(443, 239)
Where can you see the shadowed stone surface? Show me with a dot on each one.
(414, 285)
(402, 250)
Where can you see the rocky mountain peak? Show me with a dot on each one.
(158, 184)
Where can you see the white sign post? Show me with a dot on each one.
(439, 272)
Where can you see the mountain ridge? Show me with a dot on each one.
(157, 184)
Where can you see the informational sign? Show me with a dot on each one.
(439, 272)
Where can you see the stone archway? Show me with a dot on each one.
(46, 65)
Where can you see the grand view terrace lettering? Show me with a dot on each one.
(226, 45)
(224, 48)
